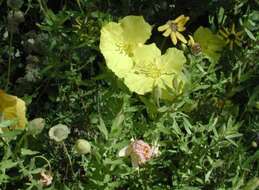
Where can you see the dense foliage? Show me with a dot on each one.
(82, 110)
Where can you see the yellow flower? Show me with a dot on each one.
(119, 40)
(174, 29)
(195, 47)
(12, 107)
(153, 70)
(232, 37)
(211, 44)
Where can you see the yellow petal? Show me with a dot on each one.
(167, 32)
(226, 31)
(164, 81)
(223, 33)
(172, 61)
(146, 53)
(115, 50)
(6, 100)
(135, 29)
(139, 83)
(173, 38)
(181, 28)
(178, 19)
(191, 41)
(233, 28)
(163, 27)
(18, 112)
(183, 21)
(227, 42)
(181, 37)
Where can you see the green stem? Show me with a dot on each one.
(47, 161)
(18, 145)
(9, 60)
(43, 8)
(69, 158)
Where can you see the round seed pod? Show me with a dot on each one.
(254, 144)
(83, 146)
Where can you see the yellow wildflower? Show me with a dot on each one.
(195, 47)
(12, 107)
(174, 29)
(232, 37)
(211, 44)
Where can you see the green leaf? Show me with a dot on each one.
(8, 123)
(7, 164)
(250, 34)
(252, 184)
(116, 124)
(26, 152)
(187, 126)
(11, 134)
(103, 128)
(150, 106)
(251, 159)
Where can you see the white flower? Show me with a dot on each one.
(59, 132)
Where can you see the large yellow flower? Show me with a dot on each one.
(211, 44)
(231, 36)
(142, 67)
(153, 70)
(12, 107)
(118, 40)
(174, 29)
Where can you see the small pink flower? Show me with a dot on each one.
(139, 151)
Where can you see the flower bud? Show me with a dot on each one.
(36, 126)
(83, 146)
(15, 4)
(254, 144)
(15, 17)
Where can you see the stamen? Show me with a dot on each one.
(232, 36)
(174, 27)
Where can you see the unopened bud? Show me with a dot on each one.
(36, 126)
(82, 146)
(254, 144)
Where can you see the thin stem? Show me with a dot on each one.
(18, 145)
(69, 158)
(9, 60)
(47, 161)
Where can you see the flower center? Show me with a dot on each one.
(196, 48)
(173, 27)
(232, 36)
(125, 48)
(146, 152)
(59, 133)
(149, 69)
